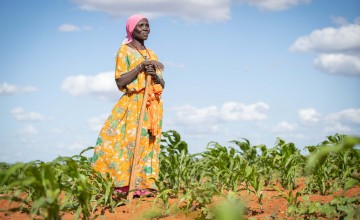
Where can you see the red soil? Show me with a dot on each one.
(273, 205)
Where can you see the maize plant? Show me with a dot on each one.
(48, 190)
(178, 168)
(286, 159)
(255, 183)
(224, 166)
(257, 156)
(333, 164)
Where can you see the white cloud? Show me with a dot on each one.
(8, 89)
(284, 126)
(102, 85)
(20, 115)
(313, 123)
(338, 48)
(346, 116)
(309, 115)
(229, 111)
(337, 128)
(191, 10)
(346, 121)
(274, 5)
(68, 28)
(339, 20)
(188, 114)
(234, 111)
(28, 131)
(97, 122)
(73, 28)
(215, 10)
(339, 64)
(343, 39)
(206, 120)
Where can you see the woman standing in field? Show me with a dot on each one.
(114, 148)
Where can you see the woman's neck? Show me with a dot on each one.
(138, 44)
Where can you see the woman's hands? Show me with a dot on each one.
(149, 66)
(156, 65)
(151, 70)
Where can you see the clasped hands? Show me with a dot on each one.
(150, 67)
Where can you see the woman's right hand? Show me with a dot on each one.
(157, 65)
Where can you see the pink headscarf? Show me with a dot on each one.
(130, 26)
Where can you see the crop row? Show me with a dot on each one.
(47, 190)
(331, 165)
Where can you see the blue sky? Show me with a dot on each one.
(255, 69)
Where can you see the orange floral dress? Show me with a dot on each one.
(113, 152)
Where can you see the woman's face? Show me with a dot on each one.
(142, 30)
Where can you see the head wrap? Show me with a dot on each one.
(130, 26)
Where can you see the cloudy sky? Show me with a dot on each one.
(255, 69)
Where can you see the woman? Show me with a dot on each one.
(113, 152)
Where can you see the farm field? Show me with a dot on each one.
(274, 205)
(240, 181)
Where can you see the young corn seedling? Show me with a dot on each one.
(254, 184)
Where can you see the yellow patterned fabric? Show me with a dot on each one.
(114, 148)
